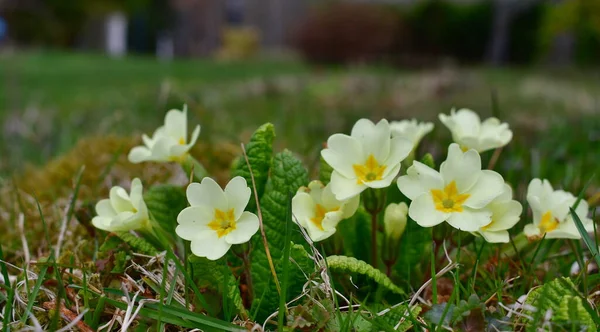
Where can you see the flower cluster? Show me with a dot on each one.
(461, 194)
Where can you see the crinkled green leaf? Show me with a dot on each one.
(348, 265)
(209, 274)
(287, 175)
(120, 262)
(560, 297)
(164, 203)
(137, 244)
(260, 155)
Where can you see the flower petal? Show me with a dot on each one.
(303, 208)
(199, 216)
(209, 245)
(350, 206)
(495, 237)
(419, 179)
(531, 230)
(104, 209)
(245, 228)
(489, 185)
(119, 199)
(139, 154)
(176, 124)
(469, 220)
(387, 179)
(344, 188)
(504, 215)
(342, 152)
(399, 150)
(423, 211)
(374, 138)
(102, 223)
(207, 193)
(462, 167)
(238, 194)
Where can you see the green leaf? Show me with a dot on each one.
(428, 160)
(287, 175)
(137, 244)
(260, 155)
(560, 296)
(209, 274)
(414, 249)
(346, 265)
(164, 203)
(324, 171)
(354, 231)
(394, 315)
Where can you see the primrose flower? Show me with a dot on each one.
(394, 219)
(412, 130)
(457, 194)
(122, 212)
(169, 142)
(551, 215)
(318, 211)
(505, 214)
(368, 158)
(216, 219)
(468, 130)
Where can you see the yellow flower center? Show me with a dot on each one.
(449, 200)
(464, 148)
(223, 223)
(181, 141)
(548, 223)
(371, 170)
(320, 215)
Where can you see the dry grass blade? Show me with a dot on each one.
(69, 316)
(260, 221)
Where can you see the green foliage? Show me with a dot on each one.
(560, 296)
(137, 244)
(324, 171)
(351, 265)
(164, 203)
(389, 319)
(428, 160)
(260, 155)
(356, 235)
(215, 275)
(414, 248)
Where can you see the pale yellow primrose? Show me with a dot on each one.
(457, 194)
(318, 211)
(169, 142)
(506, 212)
(216, 219)
(412, 130)
(122, 212)
(468, 130)
(394, 219)
(551, 214)
(368, 158)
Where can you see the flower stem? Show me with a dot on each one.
(374, 240)
(494, 158)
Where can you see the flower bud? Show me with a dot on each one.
(394, 220)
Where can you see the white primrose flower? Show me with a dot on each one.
(318, 211)
(395, 219)
(216, 219)
(551, 215)
(169, 142)
(123, 212)
(368, 158)
(468, 130)
(412, 130)
(506, 212)
(457, 194)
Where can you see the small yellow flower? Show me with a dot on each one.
(318, 211)
(168, 143)
(457, 194)
(551, 214)
(216, 219)
(122, 212)
(368, 158)
(470, 133)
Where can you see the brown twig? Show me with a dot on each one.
(68, 315)
(260, 222)
(494, 158)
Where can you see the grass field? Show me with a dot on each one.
(61, 111)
